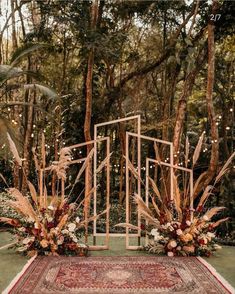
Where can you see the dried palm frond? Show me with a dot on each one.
(32, 192)
(216, 224)
(224, 168)
(4, 180)
(198, 182)
(84, 166)
(213, 211)
(155, 206)
(35, 158)
(205, 195)
(9, 221)
(142, 205)
(43, 152)
(145, 211)
(104, 162)
(155, 189)
(62, 222)
(198, 149)
(14, 150)
(177, 198)
(95, 217)
(186, 151)
(126, 225)
(133, 170)
(158, 158)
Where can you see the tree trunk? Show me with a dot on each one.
(210, 173)
(14, 38)
(87, 123)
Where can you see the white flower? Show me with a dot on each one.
(217, 247)
(28, 240)
(179, 232)
(171, 228)
(188, 223)
(205, 218)
(75, 239)
(178, 248)
(170, 254)
(60, 240)
(22, 229)
(154, 232)
(210, 235)
(50, 207)
(65, 232)
(172, 244)
(30, 220)
(50, 219)
(82, 245)
(71, 227)
(36, 225)
(77, 219)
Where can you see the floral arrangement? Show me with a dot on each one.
(184, 239)
(41, 224)
(171, 228)
(55, 229)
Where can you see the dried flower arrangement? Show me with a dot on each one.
(41, 224)
(173, 231)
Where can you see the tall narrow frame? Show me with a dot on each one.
(96, 126)
(94, 142)
(139, 137)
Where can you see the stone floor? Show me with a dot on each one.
(11, 263)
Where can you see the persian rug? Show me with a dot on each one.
(118, 275)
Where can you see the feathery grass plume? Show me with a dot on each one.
(14, 150)
(43, 151)
(22, 203)
(204, 197)
(198, 149)
(32, 192)
(155, 189)
(84, 166)
(104, 162)
(216, 224)
(213, 211)
(60, 167)
(4, 180)
(198, 182)
(126, 225)
(133, 170)
(225, 168)
(186, 151)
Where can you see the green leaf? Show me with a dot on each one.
(43, 89)
(24, 51)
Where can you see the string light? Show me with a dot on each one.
(227, 128)
(32, 135)
(231, 110)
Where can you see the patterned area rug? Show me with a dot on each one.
(117, 275)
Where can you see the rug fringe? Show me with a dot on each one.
(19, 275)
(214, 272)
